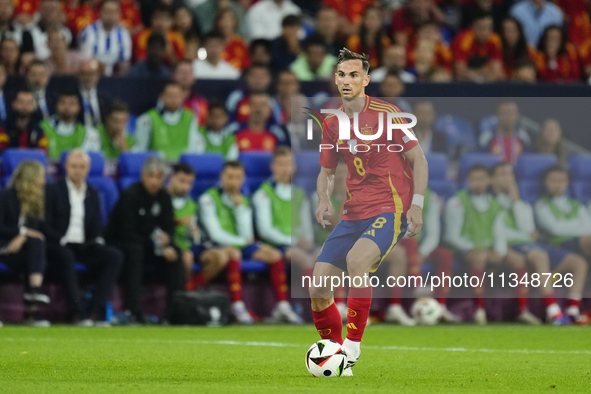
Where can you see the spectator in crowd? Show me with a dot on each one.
(153, 66)
(213, 67)
(9, 28)
(260, 52)
(141, 225)
(273, 204)
(393, 56)
(522, 237)
(431, 141)
(131, 16)
(566, 223)
(183, 74)
(21, 237)
(207, 10)
(65, 132)
(536, 16)
(525, 71)
(515, 47)
(235, 49)
(185, 25)
(10, 56)
(576, 18)
(350, 14)
(407, 19)
(73, 230)
(550, 141)
(425, 62)
(288, 88)
(505, 138)
(226, 216)
(557, 58)
(264, 18)
(22, 128)
(477, 52)
(78, 14)
(50, 17)
(392, 87)
(372, 38)
(286, 48)
(107, 40)
(172, 130)
(469, 9)
(327, 27)
(94, 103)
(61, 60)
(475, 229)
(585, 57)
(218, 135)
(314, 63)
(161, 23)
(431, 32)
(25, 11)
(115, 139)
(256, 136)
(38, 79)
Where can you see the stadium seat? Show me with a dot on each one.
(12, 157)
(437, 166)
(581, 190)
(108, 192)
(131, 124)
(256, 165)
(97, 163)
(459, 132)
(470, 159)
(580, 167)
(530, 189)
(130, 166)
(307, 169)
(253, 266)
(4, 268)
(532, 165)
(207, 167)
(444, 188)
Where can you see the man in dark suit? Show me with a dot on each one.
(74, 228)
(431, 141)
(94, 104)
(38, 79)
(142, 225)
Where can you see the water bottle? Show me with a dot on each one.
(158, 247)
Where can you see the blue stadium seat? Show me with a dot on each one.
(530, 189)
(257, 168)
(581, 190)
(307, 169)
(443, 187)
(580, 167)
(459, 131)
(108, 192)
(97, 163)
(4, 268)
(437, 166)
(80, 267)
(131, 124)
(469, 159)
(12, 157)
(532, 165)
(130, 167)
(253, 266)
(207, 167)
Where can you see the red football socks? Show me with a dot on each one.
(358, 306)
(234, 276)
(522, 299)
(478, 291)
(195, 282)
(279, 280)
(329, 324)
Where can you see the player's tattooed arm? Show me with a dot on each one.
(324, 188)
(420, 172)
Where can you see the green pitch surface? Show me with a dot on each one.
(269, 359)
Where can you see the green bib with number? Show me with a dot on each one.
(58, 144)
(559, 215)
(172, 140)
(478, 226)
(184, 207)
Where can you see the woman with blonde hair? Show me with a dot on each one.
(22, 243)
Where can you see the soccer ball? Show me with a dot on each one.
(426, 311)
(326, 359)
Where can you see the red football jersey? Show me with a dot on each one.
(379, 180)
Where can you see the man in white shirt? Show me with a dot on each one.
(107, 40)
(264, 18)
(73, 232)
(212, 67)
(38, 78)
(50, 16)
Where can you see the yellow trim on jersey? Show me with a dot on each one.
(367, 101)
(382, 107)
(350, 196)
(397, 223)
(385, 106)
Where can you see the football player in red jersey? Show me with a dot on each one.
(380, 207)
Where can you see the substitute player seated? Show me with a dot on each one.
(226, 218)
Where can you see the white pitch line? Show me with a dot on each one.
(282, 344)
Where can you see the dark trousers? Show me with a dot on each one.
(30, 258)
(104, 262)
(137, 258)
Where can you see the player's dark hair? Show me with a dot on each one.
(315, 40)
(213, 35)
(216, 105)
(291, 21)
(68, 93)
(477, 167)
(184, 168)
(233, 164)
(37, 62)
(281, 151)
(117, 106)
(108, 1)
(162, 9)
(25, 90)
(493, 170)
(259, 43)
(542, 43)
(183, 61)
(171, 82)
(554, 168)
(156, 39)
(347, 54)
(254, 66)
(481, 14)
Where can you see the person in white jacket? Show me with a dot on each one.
(523, 237)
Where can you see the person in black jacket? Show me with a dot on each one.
(22, 243)
(142, 225)
(431, 140)
(73, 229)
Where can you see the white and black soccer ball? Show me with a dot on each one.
(326, 359)
(426, 311)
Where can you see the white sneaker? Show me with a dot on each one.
(353, 355)
(36, 297)
(480, 317)
(395, 314)
(283, 312)
(448, 317)
(342, 307)
(1, 324)
(241, 313)
(84, 323)
(528, 318)
(572, 310)
(102, 324)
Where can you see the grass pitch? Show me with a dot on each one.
(266, 358)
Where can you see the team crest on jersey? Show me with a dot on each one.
(367, 131)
